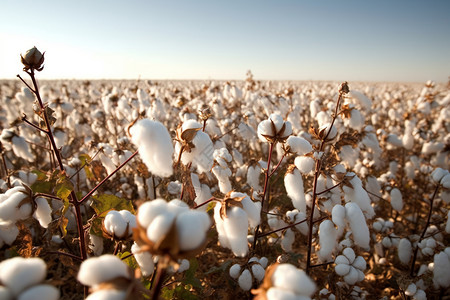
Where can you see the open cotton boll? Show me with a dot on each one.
(360, 99)
(10, 211)
(404, 251)
(202, 155)
(155, 146)
(396, 199)
(293, 183)
(253, 174)
(192, 227)
(160, 226)
(245, 280)
(298, 145)
(281, 294)
(358, 225)
(441, 269)
(41, 291)
(236, 229)
(253, 209)
(21, 148)
(149, 210)
(96, 270)
(326, 128)
(108, 294)
(447, 225)
(305, 164)
(258, 272)
(5, 293)
(8, 234)
(43, 211)
(222, 175)
(358, 195)
(288, 277)
(144, 260)
(438, 174)
(287, 240)
(177, 206)
(327, 240)
(235, 270)
(19, 273)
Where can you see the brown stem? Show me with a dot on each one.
(159, 277)
(8, 179)
(276, 167)
(24, 119)
(117, 247)
(65, 254)
(281, 229)
(204, 203)
(430, 211)
(106, 178)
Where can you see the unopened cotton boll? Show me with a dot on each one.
(155, 146)
(396, 199)
(41, 291)
(96, 270)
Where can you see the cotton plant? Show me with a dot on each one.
(350, 266)
(24, 279)
(284, 282)
(250, 273)
(233, 217)
(119, 224)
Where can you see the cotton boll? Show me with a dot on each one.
(5, 293)
(177, 206)
(20, 273)
(288, 277)
(21, 148)
(10, 211)
(108, 294)
(235, 271)
(305, 164)
(41, 291)
(160, 226)
(192, 227)
(447, 226)
(396, 199)
(258, 272)
(245, 280)
(352, 277)
(144, 260)
(404, 251)
(155, 146)
(293, 183)
(253, 209)
(358, 195)
(149, 210)
(288, 240)
(43, 211)
(253, 174)
(96, 244)
(440, 271)
(281, 294)
(358, 225)
(298, 145)
(236, 228)
(326, 129)
(338, 215)
(438, 174)
(96, 270)
(327, 240)
(202, 155)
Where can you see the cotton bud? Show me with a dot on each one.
(275, 129)
(33, 59)
(119, 224)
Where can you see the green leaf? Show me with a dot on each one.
(130, 261)
(106, 202)
(189, 276)
(63, 186)
(85, 161)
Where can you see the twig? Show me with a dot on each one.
(206, 202)
(65, 254)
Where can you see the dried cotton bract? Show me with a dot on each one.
(275, 129)
(155, 146)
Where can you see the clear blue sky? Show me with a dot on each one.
(383, 40)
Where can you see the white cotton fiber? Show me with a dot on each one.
(447, 225)
(338, 215)
(96, 270)
(358, 225)
(396, 199)
(236, 229)
(288, 240)
(298, 145)
(253, 174)
(114, 224)
(281, 294)
(358, 195)
(304, 164)
(258, 272)
(43, 211)
(176, 206)
(253, 209)
(19, 273)
(9, 211)
(155, 146)
(192, 227)
(8, 234)
(327, 240)
(108, 294)
(441, 269)
(41, 291)
(202, 155)
(245, 280)
(235, 270)
(149, 210)
(288, 277)
(144, 260)
(293, 183)
(5, 293)
(160, 226)
(21, 148)
(404, 251)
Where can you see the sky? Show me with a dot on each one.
(353, 40)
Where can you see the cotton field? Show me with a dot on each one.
(217, 190)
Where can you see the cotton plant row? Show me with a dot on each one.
(330, 170)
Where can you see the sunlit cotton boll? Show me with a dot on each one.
(155, 146)
(108, 295)
(289, 278)
(305, 164)
(96, 270)
(119, 223)
(404, 251)
(19, 273)
(274, 128)
(144, 260)
(192, 227)
(396, 199)
(298, 145)
(293, 183)
(41, 291)
(358, 225)
(21, 148)
(327, 240)
(43, 211)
